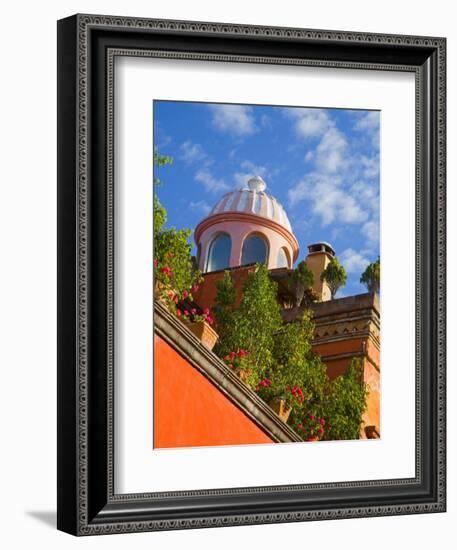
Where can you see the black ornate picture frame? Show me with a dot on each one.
(87, 502)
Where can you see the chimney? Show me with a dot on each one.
(319, 256)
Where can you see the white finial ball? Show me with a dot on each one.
(257, 184)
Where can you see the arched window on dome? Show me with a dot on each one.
(283, 258)
(255, 250)
(219, 253)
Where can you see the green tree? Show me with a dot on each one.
(282, 362)
(173, 264)
(253, 325)
(371, 277)
(335, 276)
(345, 403)
(160, 161)
(321, 408)
(296, 366)
(159, 212)
(258, 317)
(301, 280)
(173, 260)
(223, 310)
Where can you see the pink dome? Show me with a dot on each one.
(246, 226)
(253, 200)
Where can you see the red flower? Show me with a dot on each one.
(242, 353)
(300, 426)
(227, 357)
(312, 438)
(321, 430)
(230, 366)
(178, 312)
(206, 311)
(170, 255)
(186, 313)
(322, 422)
(175, 299)
(297, 392)
(155, 263)
(165, 269)
(263, 383)
(185, 294)
(193, 311)
(209, 320)
(312, 417)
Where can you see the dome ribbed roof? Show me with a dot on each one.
(255, 201)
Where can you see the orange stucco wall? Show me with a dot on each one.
(189, 411)
(206, 294)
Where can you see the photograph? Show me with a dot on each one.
(266, 249)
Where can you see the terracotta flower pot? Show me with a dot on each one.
(159, 290)
(203, 331)
(244, 374)
(281, 408)
(158, 287)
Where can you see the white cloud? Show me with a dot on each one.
(331, 151)
(342, 185)
(367, 121)
(161, 138)
(200, 206)
(309, 156)
(353, 261)
(309, 123)
(192, 152)
(209, 182)
(249, 170)
(236, 119)
(328, 198)
(369, 124)
(372, 232)
(265, 121)
(370, 166)
(335, 204)
(367, 193)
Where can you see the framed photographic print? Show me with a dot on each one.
(251, 274)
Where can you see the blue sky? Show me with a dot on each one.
(321, 164)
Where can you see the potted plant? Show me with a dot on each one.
(174, 277)
(199, 324)
(311, 427)
(281, 407)
(239, 363)
(163, 283)
(281, 398)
